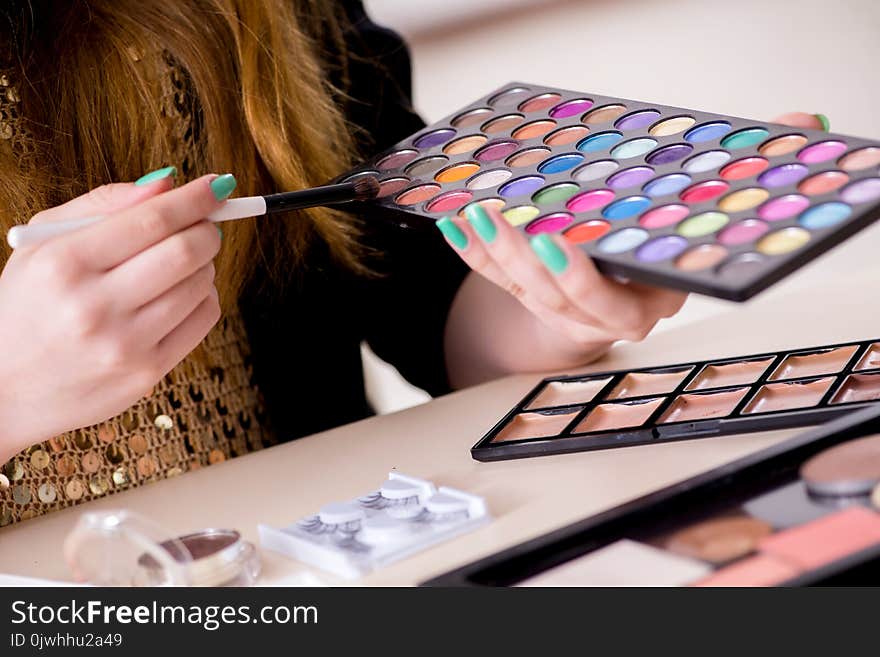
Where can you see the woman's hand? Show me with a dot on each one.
(579, 312)
(92, 320)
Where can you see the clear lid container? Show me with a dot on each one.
(121, 548)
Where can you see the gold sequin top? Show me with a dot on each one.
(205, 411)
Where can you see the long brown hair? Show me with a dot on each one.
(105, 90)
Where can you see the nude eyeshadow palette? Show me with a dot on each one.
(803, 512)
(663, 195)
(623, 408)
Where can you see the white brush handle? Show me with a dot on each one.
(33, 234)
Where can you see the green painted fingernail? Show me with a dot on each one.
(223, 186)
(481, 222)
(551, 255)
(220, 230)
(153, 176)
(826, 124)
(452, 232)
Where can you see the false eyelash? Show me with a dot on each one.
(378, 501)
(314, 525)
(350, 543)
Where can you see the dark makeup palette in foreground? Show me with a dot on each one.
(803, 512)
(663, 195)
(790, 388)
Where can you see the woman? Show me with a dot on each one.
(145, 346)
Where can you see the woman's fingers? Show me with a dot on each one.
(125, 234)
(152, 272)
(510, 251)
(152, 322)
(804, 120)
(187, 335)
(461, 236)
(110, 198)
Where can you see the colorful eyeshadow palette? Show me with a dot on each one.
(663, 195)
(791, 388)
(804, 512)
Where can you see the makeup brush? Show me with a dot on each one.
(362, 189)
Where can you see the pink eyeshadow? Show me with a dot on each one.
(825, 540)
(760, 570)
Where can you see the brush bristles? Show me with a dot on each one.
(366, 188)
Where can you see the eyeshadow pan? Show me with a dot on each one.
(426, 165)
(671, 126)
(603, 114)
(534, 129)
(540, 102)
(527, 157)
(465, 144)
(535, 425)
(623, 563)
(521, 186)
(595, 170)
(520, 214)
(871, 359)
(639, 384)
(703, 405)
(747, 230)
(667, 154)
(392, 186)
(861, 158)
(722, 375)
(782, 145)
(567, 135)
(622, 240)
(706, 161)
(851, 468)
(550, 223)
(743, 199)
(496, 150)
(587, 231)
(618, 415)
(599, 142)
(760, 570)
(457, 172)
(825, 540)
(629, 177)
(858, 388)
(700, 257)
(434, 138)
(450, 201)
(665, 215)
(509, 97)
(471, 117)
(591, 200)
(417, 194)
(824, 361)
(502, 123)
(489, 179)
(719, 540)
(637, 119)
(564, 393)
(788, 396)
(397, 159)
(571, 107)
(783, 241)
(494, 203)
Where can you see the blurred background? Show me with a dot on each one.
(749, 58)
